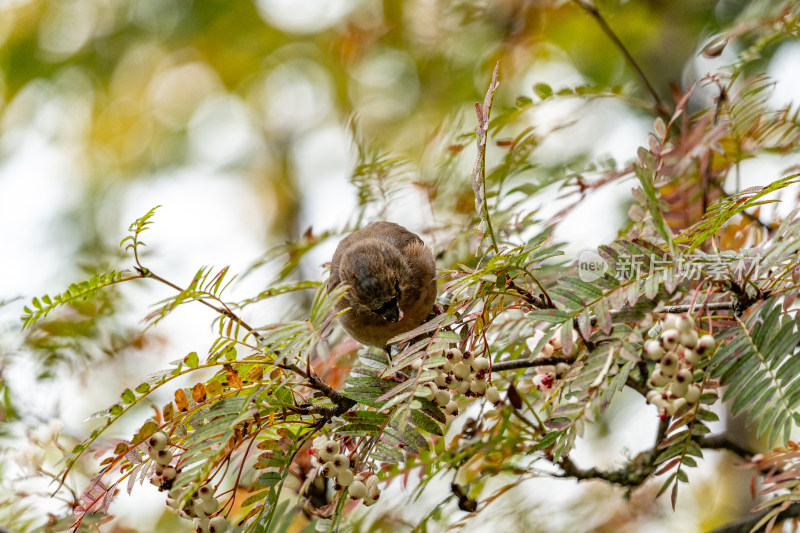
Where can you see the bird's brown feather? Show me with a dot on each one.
(364, 258)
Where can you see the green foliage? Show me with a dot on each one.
(260, 395)
(40, 307)
(759, 365)
(140, 225)
(720, 213)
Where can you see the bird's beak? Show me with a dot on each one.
(393, 314)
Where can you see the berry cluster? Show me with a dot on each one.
(547, 375)
(677, 351)
(461, 373)
(333, 464)
(202, 504)
(164, 474)
(201, 507)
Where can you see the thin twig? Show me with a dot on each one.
(722, 442)
(632, 475)
(643, 465)
(592, 10)
(147, 273)
(528, 363)
(342, 403)
(714, 306)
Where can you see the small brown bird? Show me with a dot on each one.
(392, 282)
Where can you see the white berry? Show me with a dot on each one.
(653, 350)
(677, 403)
(218, 524)
(691, 356)
(460, 370)
(340, 462)
(197, 508)
(158, 441)
(684, 376)
(164, 457)
(492, 395)
(679, 389)
(669, 322)
(328, 469)
(441, 398)
(478, 387)
(357, 489)
(547, 351)
(688, 338)
(658, 379)
(652, 395)
(705, 344)
(555, 341)
(692, 394)
(669, 364)
(669, 338)
(480, 364)
(330, 449)
(685, 323)
(454, 355)
(201, 525)
(210, 505)
(345, 478)
(451, 409)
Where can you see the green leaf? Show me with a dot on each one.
(128, 396)
(543, 91)
(425, 422)
(371, 417)
(359, 429)
(758, 365)
(645, 171)
(718, 214)
(75, 292)
(191, 360)
(269, 479)
(553, 316)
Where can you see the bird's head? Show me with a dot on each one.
(375, 271)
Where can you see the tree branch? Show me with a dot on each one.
(722, 442)
(632, 475)
(592, 10)
(643, 465)
(529, 363)
(329, 411)
(714, 306)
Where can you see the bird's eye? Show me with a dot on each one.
(385, 307)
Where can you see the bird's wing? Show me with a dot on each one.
(341, 249)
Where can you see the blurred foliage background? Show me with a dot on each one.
(258, 122)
